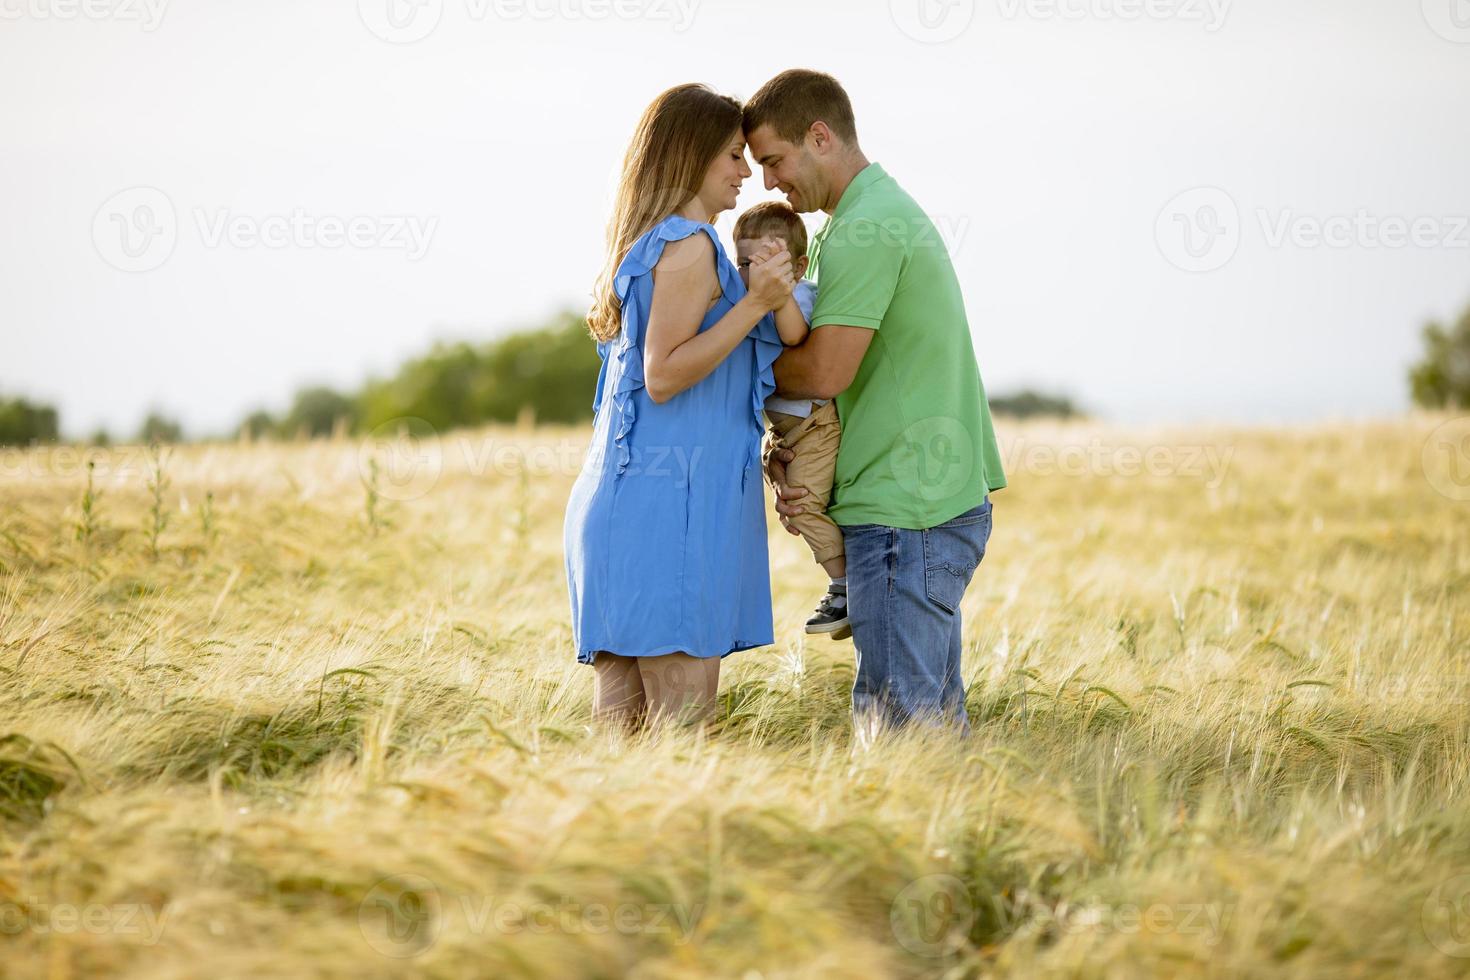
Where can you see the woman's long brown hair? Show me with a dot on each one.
(677, 138)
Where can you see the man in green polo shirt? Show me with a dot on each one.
(891, 343)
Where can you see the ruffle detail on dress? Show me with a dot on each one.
(630, 379)
(627, 347)
(768, 347)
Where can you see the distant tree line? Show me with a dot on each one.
(1026, 404)
(26, 423)
(547, 374)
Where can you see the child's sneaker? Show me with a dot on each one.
(831, 615)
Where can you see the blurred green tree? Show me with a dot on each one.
(1442, 378)
(23, 422)
(1027, 404)
(317, 410)
(157, 427)
(259, 424)
(549, 373)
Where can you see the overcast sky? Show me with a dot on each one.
(1172, 210)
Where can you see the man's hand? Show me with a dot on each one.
(775, 460)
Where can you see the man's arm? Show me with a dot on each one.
(823, 365)
(860, 269)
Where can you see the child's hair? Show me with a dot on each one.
(773, 219)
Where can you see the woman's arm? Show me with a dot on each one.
(676, 355)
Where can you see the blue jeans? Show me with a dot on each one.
(903, 597)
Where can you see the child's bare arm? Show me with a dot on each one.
(790, 323)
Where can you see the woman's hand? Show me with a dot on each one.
(775, 460)
(770, 275)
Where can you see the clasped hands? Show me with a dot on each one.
(771, 278)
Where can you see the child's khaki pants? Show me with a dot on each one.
(814, 439)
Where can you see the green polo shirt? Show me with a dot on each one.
(917, 445)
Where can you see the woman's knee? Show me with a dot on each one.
(618, 686)
(675, 680)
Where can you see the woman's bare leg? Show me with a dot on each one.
(618, 696)
(680, 687)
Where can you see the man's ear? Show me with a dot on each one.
(820, 135)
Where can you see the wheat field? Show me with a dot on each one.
(312, 709)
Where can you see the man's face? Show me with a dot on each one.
(790, 167)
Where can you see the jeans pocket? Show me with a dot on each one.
(952, 552)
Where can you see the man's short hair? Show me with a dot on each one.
(773, 219)
(795, 99)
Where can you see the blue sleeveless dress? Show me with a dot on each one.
(665, 531)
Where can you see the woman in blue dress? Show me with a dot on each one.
(665, 530)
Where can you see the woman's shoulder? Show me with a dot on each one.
(674, 240)
(677, 228)
(682, 252)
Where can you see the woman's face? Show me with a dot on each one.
(725, 175)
